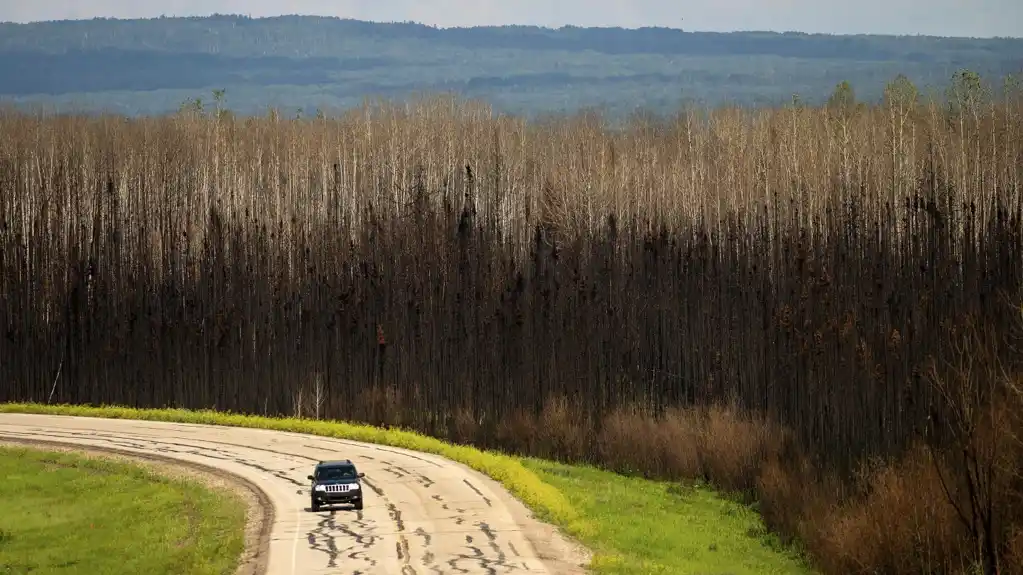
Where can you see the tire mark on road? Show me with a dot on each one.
(373, 487)
(492, 538)
(322, 532)
(321, 448)
(385, 450)
(158, 446)
(402, 545)
(163, 441)
(361, 536)
(478, 492)
(400, 472)
(427, 554)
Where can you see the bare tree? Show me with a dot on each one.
(318, 395)
(297, 401)
(317, 399)
(967, 436)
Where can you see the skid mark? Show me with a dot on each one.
(395, 516)
(360, 540)
(478, 492)
(428, 557)
(394, 471)
(159, 446)
(401, 546)
(372, 486)
(320, 539)
(385, 450)
(321, 448)
(400, 472)
(164, 441)
(440, 500)
(492, 541)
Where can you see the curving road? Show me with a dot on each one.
(423, 515)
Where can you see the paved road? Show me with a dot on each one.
(423, 514)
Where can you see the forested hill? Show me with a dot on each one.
(315, 62)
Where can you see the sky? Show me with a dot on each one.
(982, 18)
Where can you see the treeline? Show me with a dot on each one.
(767, 298)
(237, 35)
(146, 66)
(28, 73)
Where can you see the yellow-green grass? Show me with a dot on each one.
(663, 527)
(63, 513)
(632, 525)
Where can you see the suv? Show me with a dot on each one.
(335, 482)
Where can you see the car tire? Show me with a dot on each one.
(314, 506)
(358, 505)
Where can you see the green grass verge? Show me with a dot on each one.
(66, 513)
(632, 525)
(662, 527)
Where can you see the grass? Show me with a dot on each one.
(664, 527)
(632, 525)
(65, 513)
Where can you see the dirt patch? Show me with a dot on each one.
(259, 514)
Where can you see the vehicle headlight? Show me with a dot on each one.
(321, 488)
(354, 487)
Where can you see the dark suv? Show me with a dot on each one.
(335, 482)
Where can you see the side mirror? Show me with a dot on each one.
(310, 477)
(361, 475)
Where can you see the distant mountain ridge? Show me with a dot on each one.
(310, 61)
(178, 33)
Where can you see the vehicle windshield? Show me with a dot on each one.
(335, 473)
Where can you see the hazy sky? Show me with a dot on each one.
(939, 17)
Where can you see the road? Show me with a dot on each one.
(423, 514)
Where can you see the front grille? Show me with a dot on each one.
(340, 488)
